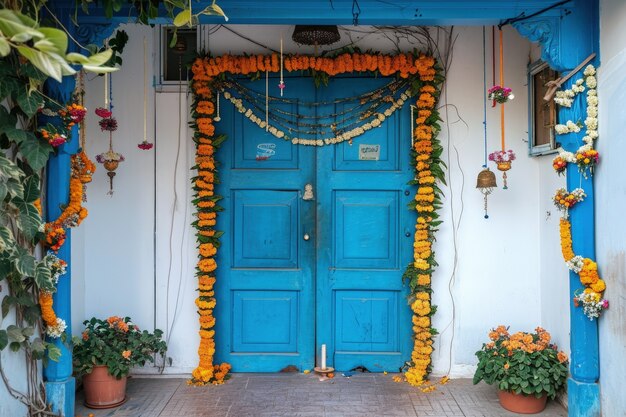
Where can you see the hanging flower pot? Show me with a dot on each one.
(111, 165)
(103, 390)
(504, 166)
(110, 160)
(503, 161)
(522, 404)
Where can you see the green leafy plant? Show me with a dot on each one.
(44, 47)
(116, 343)
(522, 363)
(29, 55)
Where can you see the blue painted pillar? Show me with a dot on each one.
(60, 384)
(566, 41)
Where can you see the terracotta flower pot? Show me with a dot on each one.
(504, 166)
(103, 390)
(520, 403)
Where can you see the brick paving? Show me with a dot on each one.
(299, 395)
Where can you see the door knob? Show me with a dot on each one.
(306, 236)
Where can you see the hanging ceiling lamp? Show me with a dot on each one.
(315, 35)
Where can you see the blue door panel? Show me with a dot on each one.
(366, 229)
(346, 158)
(265, 321)
(280, 296)
(362, 221)
(265, 232)
(265, 296)
(256, 148)
(366, 321)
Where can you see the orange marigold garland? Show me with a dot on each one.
(74, 213)
(208, 239)
(591, 297)
(429, 169)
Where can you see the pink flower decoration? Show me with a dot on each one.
(145, 145)
(104, 113)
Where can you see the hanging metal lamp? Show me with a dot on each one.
(314, 35)
(485, 183)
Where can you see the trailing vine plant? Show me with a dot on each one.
(30, 55)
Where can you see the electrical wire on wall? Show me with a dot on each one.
(181, 281)
(455, 221)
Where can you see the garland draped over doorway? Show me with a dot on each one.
(425, 80)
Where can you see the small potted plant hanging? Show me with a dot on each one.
(105, 355)
(499, 94)
(503, 161)
(526, 368)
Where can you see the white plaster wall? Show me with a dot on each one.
(14, 367)
(114, 268)
(553, 274)
(498, 272)
(610, 197)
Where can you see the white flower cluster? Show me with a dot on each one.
(57, 330)
(592, 307)
(575, 264)
(566, 97)
(377, 121)
(569, 127)
(592, 108)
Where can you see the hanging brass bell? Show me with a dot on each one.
(486, 179)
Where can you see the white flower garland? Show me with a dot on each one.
(591, 122)
(377, 121)
(565, 98)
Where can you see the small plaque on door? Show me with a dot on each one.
(369, 152)
(265, 151)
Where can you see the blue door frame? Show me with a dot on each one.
(296, 272)
(567, 34)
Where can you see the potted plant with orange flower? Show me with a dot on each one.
(526, 367)
(105, 355)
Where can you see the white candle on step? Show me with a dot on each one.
(323, 357)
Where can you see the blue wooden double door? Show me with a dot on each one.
(316, 240)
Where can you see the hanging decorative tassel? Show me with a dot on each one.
(281, 84)
(503, 157)
(267, 101)
(486, 181)
(217, 117)
(144, 145)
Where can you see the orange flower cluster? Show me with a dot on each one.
(527, 342)
(405, 65)
(589, 276)
(55, 236)
(47, 312)
(559, 164)
(425, 197)
(74, 213)
(116, 322)
(205, 198)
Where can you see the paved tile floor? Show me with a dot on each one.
(299, 395)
